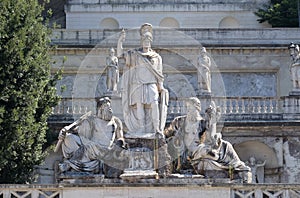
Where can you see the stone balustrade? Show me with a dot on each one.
(232, 108)
(235, 105)
(263, 190)
(74, 106)
(32, 191)
(155, 189)
(155, 1)
(165, 37)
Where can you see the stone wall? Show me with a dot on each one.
(151, 190)
(250, 66)
(186, 14)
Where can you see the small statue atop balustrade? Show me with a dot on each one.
(295, 66)
(88, 143)
(142, 86)
(195, 143)
(112, 68)
(203, 71)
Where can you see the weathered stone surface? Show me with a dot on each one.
(186, 14)
(259, 56)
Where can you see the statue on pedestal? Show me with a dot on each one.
(203, 71)
(295, 66)
(112, 68)
(89, 143)
(198, 145)
(142, 86)
(144, 102)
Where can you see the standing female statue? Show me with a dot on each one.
(204, 75)
(141, 85)
(112, 68)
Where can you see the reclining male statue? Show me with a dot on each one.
(195, 141)
(94, 141)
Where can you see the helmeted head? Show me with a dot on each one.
(146, 33)
(104, 110)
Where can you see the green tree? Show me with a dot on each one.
(27, 88)
(280, 13)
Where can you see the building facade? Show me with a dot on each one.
(251, 80)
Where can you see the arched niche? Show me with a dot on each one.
(229, 22)
(109, 23)
(259, 150)
(169, 22)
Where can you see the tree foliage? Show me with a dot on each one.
(280, 13)
(27, 89)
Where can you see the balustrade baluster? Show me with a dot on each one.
(68, 110)
(74, 110)
(58, 109)
(80, 109)
(277, 107)
(253, 105)
(271, 106)
(265, 108)
(248, 109)
(230, 106)
(237, 107)
(243, 105)
(259, 105)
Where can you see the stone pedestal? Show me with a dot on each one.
(80, 178)
(138, 175)
(148, 158)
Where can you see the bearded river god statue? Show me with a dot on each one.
(88, 143)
